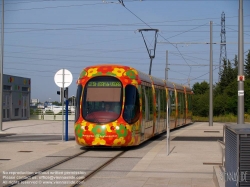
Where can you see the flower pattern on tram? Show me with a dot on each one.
(89, 137)
(131, 74)
(132, 142)
(92, 71)
(81, 141)
(110, 137)
(111, 127)
(99, 130)
(105, 70)
(128, 137)
(110, 74)
(119, 141)
(122, 131)
(118, 71)
(125, 80)
(134, 82)
(83, 73)
(99, 141)
(78, 130)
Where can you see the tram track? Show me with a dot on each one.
(88, 176)
(45, 169)
(79, 179)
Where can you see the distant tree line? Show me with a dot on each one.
(225, 92)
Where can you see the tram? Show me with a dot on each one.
(119, 106)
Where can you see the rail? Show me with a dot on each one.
(44, 169)
(97, 169)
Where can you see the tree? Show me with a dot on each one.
(247, 96)
(201, 98)
(201, 104)
(200, 88)
(235, 70)
(227, 75)
(56, 103)
(247, 65)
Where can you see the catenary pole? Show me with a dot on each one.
(167, 114)
(240, 119)
(166, 70)
(1, 70)
(211, 77)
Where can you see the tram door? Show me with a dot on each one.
(158, 112)
(147, 110)
(160, 107)
(24, 106)
(144, 104)
(6, 106)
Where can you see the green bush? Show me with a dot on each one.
(49, 112)
(38, 112)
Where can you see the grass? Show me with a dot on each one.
(225, 118)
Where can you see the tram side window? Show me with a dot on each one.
(163, 104)
(189, 104)
(143, 102)
(78, 98)
(156, 99)
(180, 104)
(132, 104)
(149, 95)
(172, 104)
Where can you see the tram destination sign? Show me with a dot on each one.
(104, 84)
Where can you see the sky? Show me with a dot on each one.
(44, 36)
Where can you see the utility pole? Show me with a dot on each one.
(166, 70)
(188, 82)
(1, 70)
(223, 50)
(241, 78)
(211, 77)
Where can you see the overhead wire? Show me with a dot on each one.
(121, 1)
(65, 6)
(214, 69)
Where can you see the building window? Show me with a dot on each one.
(6, 87)
(25, 89)
(16, 111)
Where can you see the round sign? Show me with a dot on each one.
(63, 78)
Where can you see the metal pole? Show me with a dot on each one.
(168, 130)
(240, 66)
(63, 106)
(150, 65)
(66, 121)
(166, 70)
(211, 77)
(1, 69)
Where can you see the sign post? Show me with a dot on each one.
(63, 78)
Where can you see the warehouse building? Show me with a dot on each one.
(16, 98)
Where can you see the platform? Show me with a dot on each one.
(194, 153)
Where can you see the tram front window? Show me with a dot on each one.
(102, 100)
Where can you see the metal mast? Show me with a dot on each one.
(223, 50)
